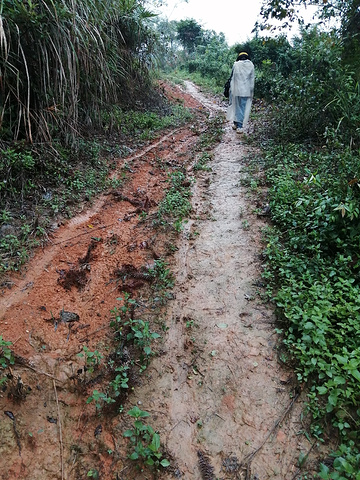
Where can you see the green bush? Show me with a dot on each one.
(88, 54)
(313, 271)
(320, 97)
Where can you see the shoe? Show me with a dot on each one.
(239, 130)
(234, 127)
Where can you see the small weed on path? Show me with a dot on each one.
(144, 441)
(6, 357)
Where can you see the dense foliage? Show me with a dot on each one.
(62, 62)
(313, 263)
(314, 268)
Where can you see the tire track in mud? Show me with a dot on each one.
(219, 389)
(76, 228)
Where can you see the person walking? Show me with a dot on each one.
(241, 91)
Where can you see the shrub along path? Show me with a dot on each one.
(221, 403)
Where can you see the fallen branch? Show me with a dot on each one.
(245, 464)
(23, 362)
(60, 433)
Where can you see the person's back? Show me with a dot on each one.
(243, 75)
(241, 91)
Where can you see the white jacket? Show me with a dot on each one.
(241, 85)
(243, 79)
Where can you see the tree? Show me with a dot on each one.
(190, 34)
(346, 12)
(290, 10)
(351, 37)
(168, 45)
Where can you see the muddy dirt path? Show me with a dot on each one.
(222, 404)
(224, 393)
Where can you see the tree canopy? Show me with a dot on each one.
(346, 14)
(290, 10)
(190, 34)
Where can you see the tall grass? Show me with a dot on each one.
(63, 61)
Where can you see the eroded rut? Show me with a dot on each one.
(223, 405)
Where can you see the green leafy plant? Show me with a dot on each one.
(161, 275)
(5, 216)
(6, 357)
(121, 314)
(176, 204)
(92, 358)
(100, 399)
(120, 382)
(245, 225)
(93, 473)
(144, 441)
(346, 464)
(142, 337)
(145, 123)
(313, 277)
(202, 162)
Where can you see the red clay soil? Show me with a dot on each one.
(62, 301)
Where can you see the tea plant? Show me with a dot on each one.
(144, 441)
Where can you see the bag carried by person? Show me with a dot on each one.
(227, 87)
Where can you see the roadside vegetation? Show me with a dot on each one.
(311, 164)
